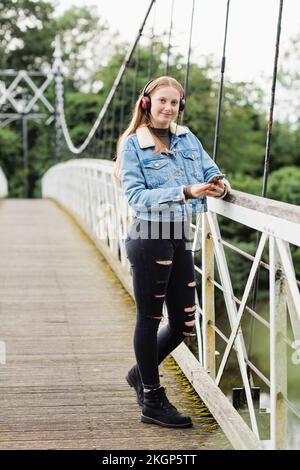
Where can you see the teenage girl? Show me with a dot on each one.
(165, 174)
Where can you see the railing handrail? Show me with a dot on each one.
(283, 210)
(267, 206)
(262, 214)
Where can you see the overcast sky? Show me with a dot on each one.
(251, 31)
(251, 34)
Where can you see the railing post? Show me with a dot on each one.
(208, 299)
(278, 353)
(59, 97)
(3, 184)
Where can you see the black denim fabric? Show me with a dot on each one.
(153, 283)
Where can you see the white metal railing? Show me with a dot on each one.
(3, 184)
(279, 224)
(89, 191)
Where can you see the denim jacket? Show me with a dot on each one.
(153, 184)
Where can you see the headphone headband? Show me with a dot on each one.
(146, 86)
(146, 100)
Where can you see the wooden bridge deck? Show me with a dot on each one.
(67, 325)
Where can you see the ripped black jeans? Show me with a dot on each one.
(162, 269)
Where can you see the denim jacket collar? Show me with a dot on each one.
(146, 140)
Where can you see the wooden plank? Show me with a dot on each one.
(234, 426)
(67, 324)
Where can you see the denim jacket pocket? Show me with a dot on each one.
(192, 162)
(156, 171)
(191, 154)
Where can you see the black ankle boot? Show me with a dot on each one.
(134, 380)
(158, 410)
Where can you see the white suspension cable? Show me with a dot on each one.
(59, 84)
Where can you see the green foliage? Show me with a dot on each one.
(87, 45)
(82, 109)
(243, 125)
(201, 104)
(245, 183)
(284, 185)
(27, 29)
(285, 149)
(10, 148)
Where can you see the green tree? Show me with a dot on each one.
(87, 46)
(27, 30)
(284, 185)
(243, 123)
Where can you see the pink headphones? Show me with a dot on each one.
(146, 100)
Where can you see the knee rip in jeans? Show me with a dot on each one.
(164, 262)
(190, 323)
(191, 309)
(155, 318)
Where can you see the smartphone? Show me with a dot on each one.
(216, 178)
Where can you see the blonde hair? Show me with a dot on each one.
(143, 118)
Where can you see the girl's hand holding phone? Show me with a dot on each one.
(200, 190)
(216, 189)
(207, 189)
(217, 186)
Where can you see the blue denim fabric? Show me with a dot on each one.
(153, 183)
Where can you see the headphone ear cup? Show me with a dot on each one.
(181, 104)
(145, 103)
